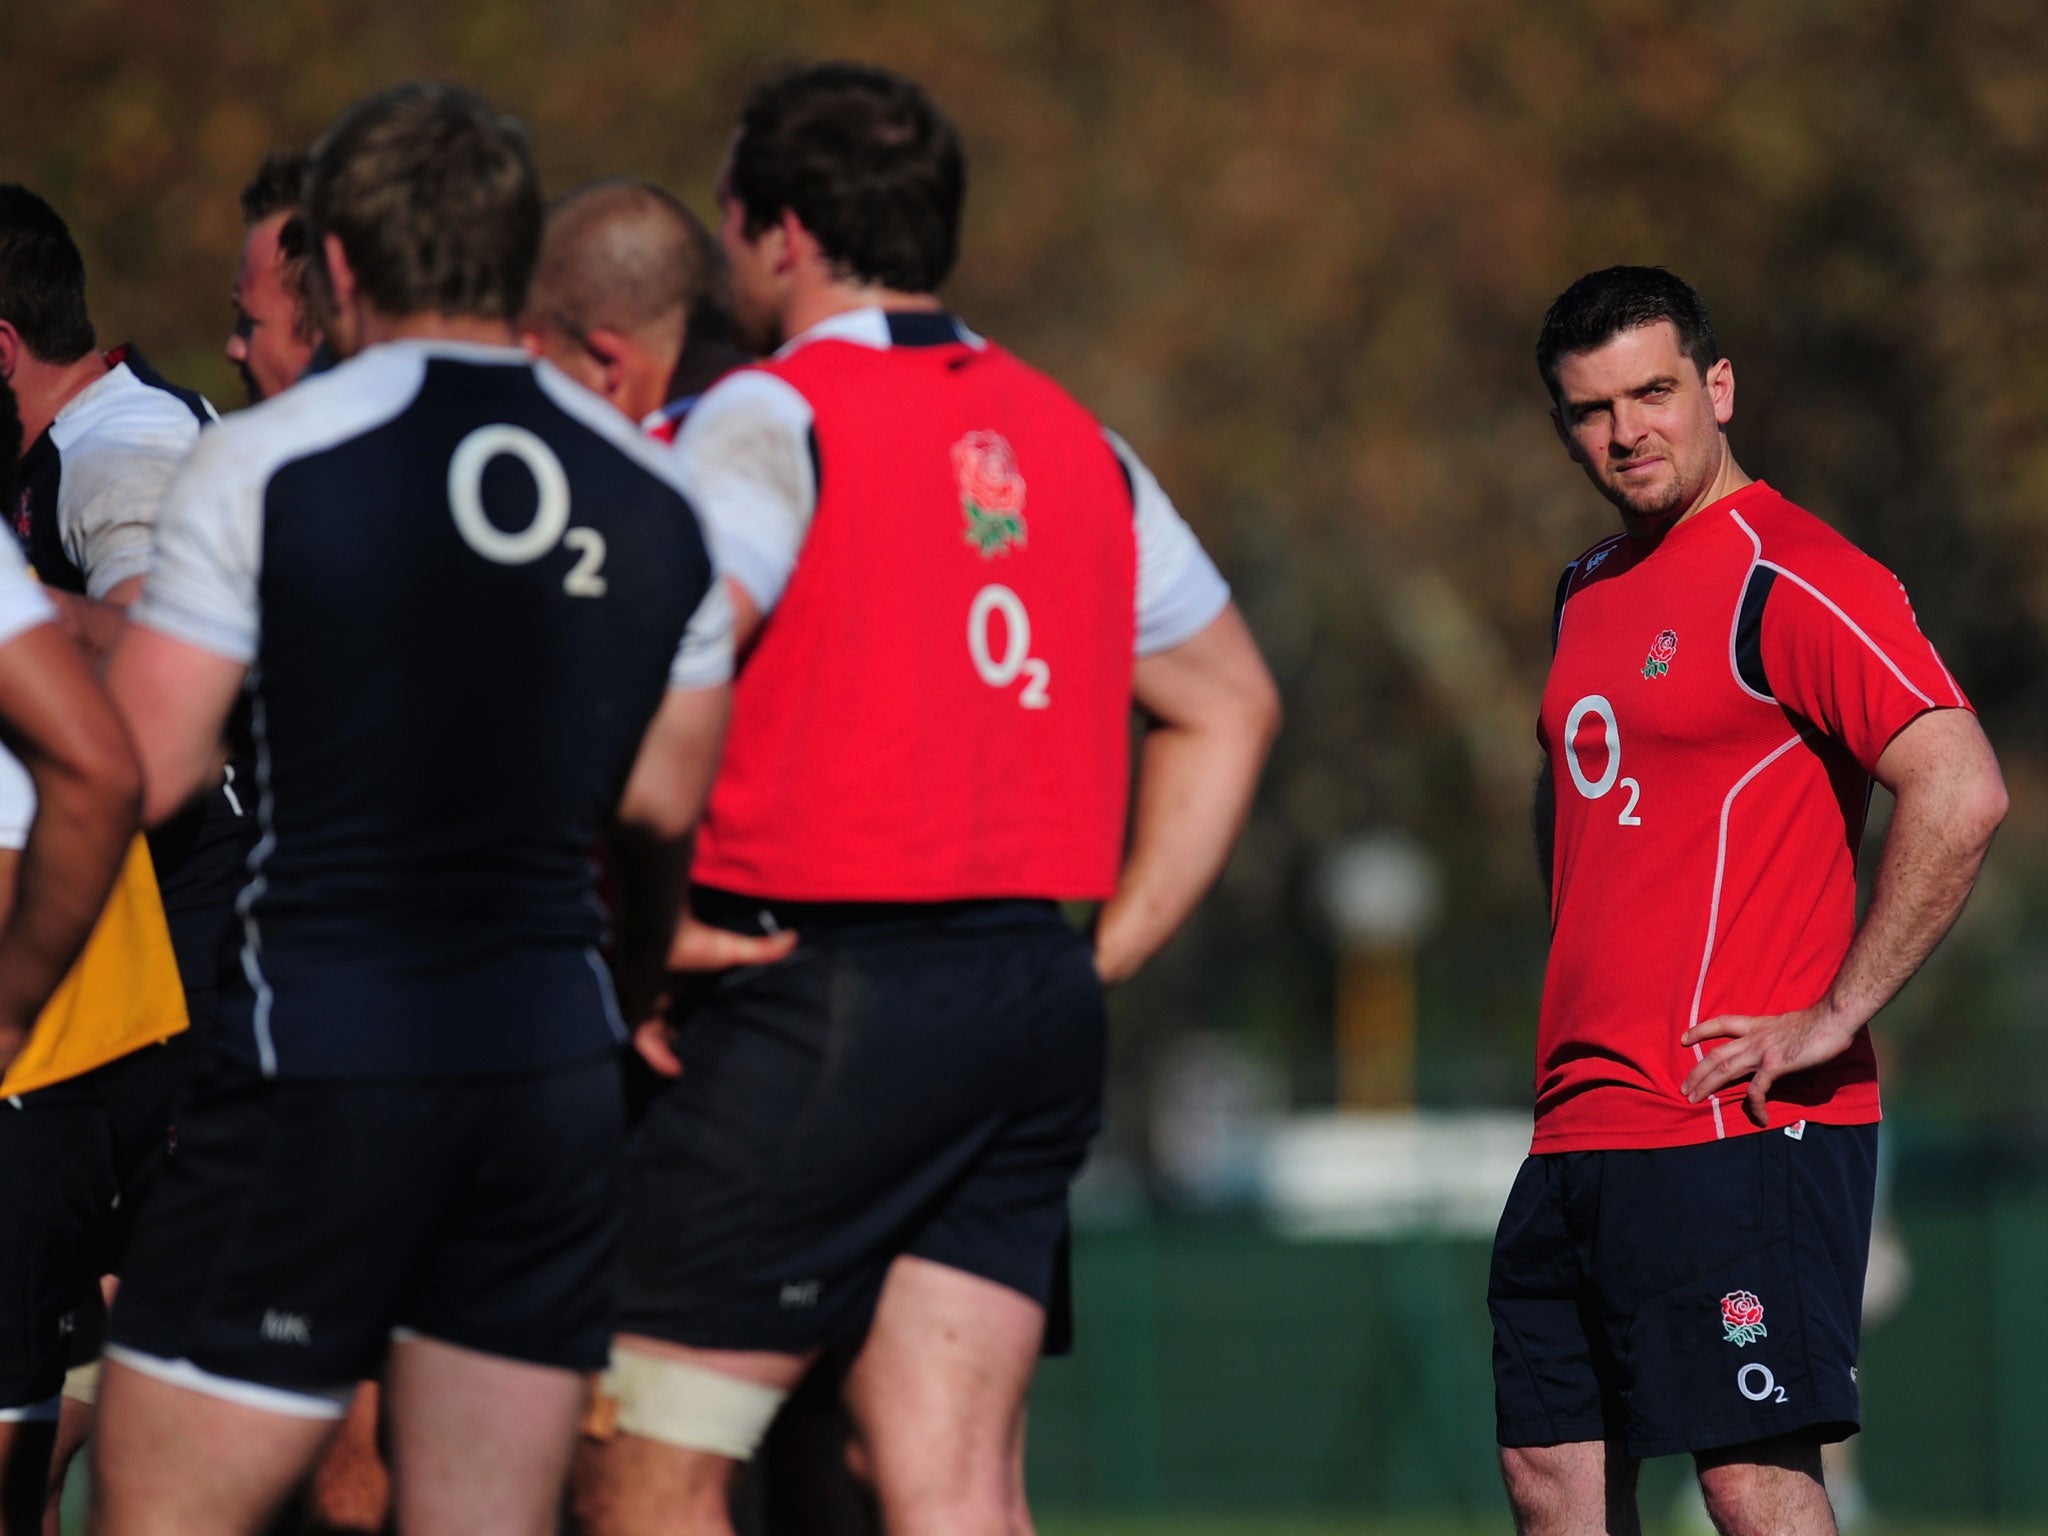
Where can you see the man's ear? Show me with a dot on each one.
(794, 244)
(612, 353)
(341, 277)
(11, 346)
(1721, 390)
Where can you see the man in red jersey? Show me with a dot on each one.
(1680, 1265)
(955, 583)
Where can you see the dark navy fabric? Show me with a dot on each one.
(35, 517)
(442, 738)
(1685, 1298)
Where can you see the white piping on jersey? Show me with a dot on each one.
(607, 993)
(245, 902)
(1741, 595)
(1854, 628)
(1714, 907)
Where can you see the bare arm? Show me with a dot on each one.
(1951, 799)
(1214, 713)
(88, 793)
(96, 622)
(1543, 824)
(664, 795)
(176, 699)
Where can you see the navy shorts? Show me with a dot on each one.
(57, 1201)
(305, 1221)
(1685, 1298)
(921, 1080)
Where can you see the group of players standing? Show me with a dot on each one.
(840, 683)
(405, 644)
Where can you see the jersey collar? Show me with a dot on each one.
(882, 329)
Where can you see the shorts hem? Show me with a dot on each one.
(1826, 1425)
(286, 1402)
(42, 1411)
(1521, 1434)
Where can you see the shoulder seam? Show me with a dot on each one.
(1854, 628)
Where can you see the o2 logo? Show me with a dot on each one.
(1595, 706)
(1016, 660)
(1756, 1383)
(550, 525)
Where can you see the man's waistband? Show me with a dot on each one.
(765, 914)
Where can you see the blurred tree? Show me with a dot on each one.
(1297, 250)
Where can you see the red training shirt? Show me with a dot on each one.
(1714, 711)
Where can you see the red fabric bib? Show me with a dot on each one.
(938, 707)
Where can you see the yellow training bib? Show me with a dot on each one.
(122, 994)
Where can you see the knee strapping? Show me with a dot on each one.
(688, 1405)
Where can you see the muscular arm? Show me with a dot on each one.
(88, 792)
(651, 838)
(175, 698)
(1214, 713)
(1950, 800)
(1543, 824)
(95, 622)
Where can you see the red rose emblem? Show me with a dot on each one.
(988, 473)
(1665, 646)
(1741, 1309)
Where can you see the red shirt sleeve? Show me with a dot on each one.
(1840, 647)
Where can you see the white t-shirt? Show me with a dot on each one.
(23, 605)
(746, 458)
(120, 441)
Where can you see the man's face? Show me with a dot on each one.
(1637, 415)
(265, 345)
(757, 286)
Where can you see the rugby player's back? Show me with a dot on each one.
(461, 586)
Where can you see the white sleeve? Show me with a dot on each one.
(108, 502)
(202, 587)
(745, 455)
(17, 803)
(23, 606)
(1180, 591)
(23, 603)
(704, 659)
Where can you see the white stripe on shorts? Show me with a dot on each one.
(328, 1403)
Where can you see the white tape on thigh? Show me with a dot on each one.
(82, 1382)
(682, 1404)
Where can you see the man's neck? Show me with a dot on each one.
(43, 389)
(813, 303)
(374, 327)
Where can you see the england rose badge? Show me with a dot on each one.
(1662, 649)
(991, 493)
(1742, 1317)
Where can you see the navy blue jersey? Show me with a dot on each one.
(461, 585)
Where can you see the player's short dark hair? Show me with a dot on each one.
(10, 446)
(42, 278)
(277, 187)
(865, 161)
(435, 199)
(1601, 305)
